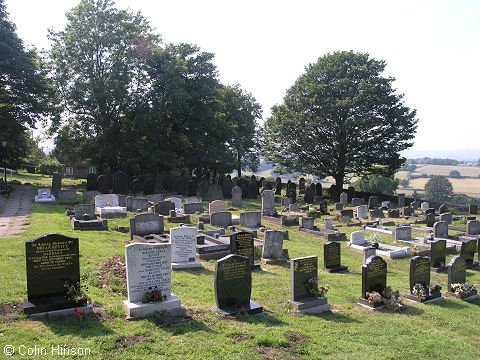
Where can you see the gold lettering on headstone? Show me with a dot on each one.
(52, 256)
(235, 270)
(376, 269)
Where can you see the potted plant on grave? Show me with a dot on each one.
(464, 290)
(313, 290)
(391, 299)
(375, 239)
(154, 295)
(75, 294)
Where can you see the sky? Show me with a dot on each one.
(432, 48)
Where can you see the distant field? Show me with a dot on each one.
(470, 171)
(469, 186)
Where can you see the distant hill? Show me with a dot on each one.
(460, 155)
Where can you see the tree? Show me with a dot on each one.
(340, 118)
(438, 189)
(454, 174)
(241, 113)
(98, 63)
(24, 91)
(377, 184)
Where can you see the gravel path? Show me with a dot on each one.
(14, 218)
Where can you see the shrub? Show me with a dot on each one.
(454, 174)
(438, 189)
(48, 167)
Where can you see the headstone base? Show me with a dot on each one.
(64, 313)
(255, 266)
(270, 261)
(428, 299)
(112, 212)
(311, 306)
(466, 298)
(178, 219)
(370, 306)
(439, 269)
(49, 305)
(336, 269)
(89, 224)
(252, 309)
(171, 307)
(187, 265)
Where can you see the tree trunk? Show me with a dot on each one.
(239, 165)
(339, 182)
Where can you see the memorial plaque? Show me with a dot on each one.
(331, 257)
(456, 272)
(148, 265)
(241, 243)
(419, 271)
(438, 252)
(184, 243)
(467, 251)
(146, 224)
(52, 260)
(301, 270)
(374, 275)
(233, 285)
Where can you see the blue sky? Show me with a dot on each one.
(431, 48)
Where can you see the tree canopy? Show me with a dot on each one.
(438, 189)
(340, 118)
(378, 184)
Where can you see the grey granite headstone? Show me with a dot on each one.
(237, 196)
(251, 219)
(272, 244)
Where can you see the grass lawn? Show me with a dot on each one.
(449, 329)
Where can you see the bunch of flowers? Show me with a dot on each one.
(419, 291)
(77, 313)
(154, 295)
(374, 297)
(389, 294)
(313, 290)
(375, 239)
(74, 293)
(463, 289)
(435, 289)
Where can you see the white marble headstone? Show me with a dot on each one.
(357, 238)
(184, 243)
(176, 201)
(102, 200)
(148, 265)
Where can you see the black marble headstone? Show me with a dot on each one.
(52, 260)
(163, 207)
(309, 197)
(103, 184)
(241, 243)
(149, 186)
(419, 271)
(331, 257)
(430, 213)
(374, 275)
(467, 252)
(233, 285)
(456, 271)
(301, 270)
(120, 183)
(92, 183)
(438, 252)
(135, 186)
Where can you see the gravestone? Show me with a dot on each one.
(252, 188)
(473, 209)
(142, 225)
(237, 196)
(372, 202)
(442, 209)
(367, 252)
(473, 227)
(440, 229)
(233, 286)
(338, 206)
(438, 253)
(419, 271)
(217, 206)
(135, 186)
(159, 182)
(401, 200)
(92, 183)
(241, 243)
(323, 208)
(293, 207)
(193, 200)
(52, 261)
(357, 237)
(221, 219)
(204, 187)
(272, 246)
(408, 211)
(467, 252)
(177, 201)
(446, 217)
(385, 204)
(358, 202)
(318, 189)
(163, 207)
(149, 186)
(415, 205)
(107, 206)
(362, 212)
(344, 199)
(347, 212)
(192, 188)
(268, 203)
(430, 214)
(393, 213)
(84, 209)
(155, 197)
(403, 233)
(251, 219)
(184, 244)
(227, 187)
(301, 183)
(136, 204)
(192, 207)
(374, 278)
(292, 192)
(103, 184)
(457, 273)
(377, 213)
(181, 185)
(328, 223)
(149, 267)
(66, 195)
(120, 183)
(214, 193)
(89, 196)
(331, 258)
(244, 188)
(308, 223)
(309, 197)
(278, 187)
(286, 202)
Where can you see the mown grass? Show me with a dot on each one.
(444, 330)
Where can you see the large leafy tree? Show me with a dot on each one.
(340, 118)
(438, 189)
(241, 114)
(378, 184)
(24, 91)
(98, 63)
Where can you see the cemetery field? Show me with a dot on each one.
(447, 329)
(41, 181)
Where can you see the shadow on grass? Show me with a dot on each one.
(448, 304)
(88, 327)
(267, 318)
(195, 271)
(334, 317)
